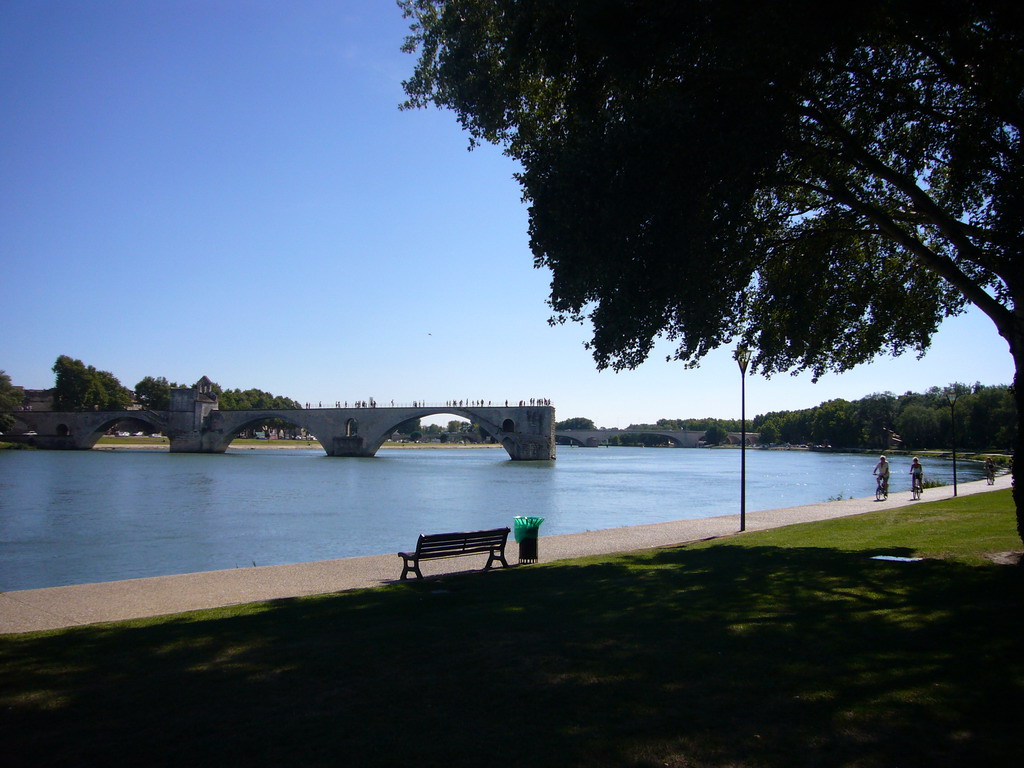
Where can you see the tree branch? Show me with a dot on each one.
(950, 227)
(936, 262)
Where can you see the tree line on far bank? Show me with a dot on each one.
(716, 431)
(981, 418)
(80, 387)
(985, 419)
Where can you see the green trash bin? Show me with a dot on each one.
(525, 531)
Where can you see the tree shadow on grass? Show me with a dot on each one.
(689, 657)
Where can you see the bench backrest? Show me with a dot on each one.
(467, 542)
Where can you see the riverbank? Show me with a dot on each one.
(876, 640)
(57, 607)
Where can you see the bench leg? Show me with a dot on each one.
(413, 568)
(496, 557)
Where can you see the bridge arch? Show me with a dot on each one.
(91, 430)
(571, 440)
(131, 424)
(384, 429)
(378, 424)
(231, 428)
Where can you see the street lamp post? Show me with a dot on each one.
(951, 396)
(743, 359)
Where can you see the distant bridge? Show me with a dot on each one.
(682, 438)
(195, 424)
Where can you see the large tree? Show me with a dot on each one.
(80, 387)
(154, 393)
(10, 399)
(821, 182)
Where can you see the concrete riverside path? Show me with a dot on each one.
(32, 610)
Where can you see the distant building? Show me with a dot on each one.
(36, 399)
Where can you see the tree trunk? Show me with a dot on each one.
(1011, 327)
(1018, 479)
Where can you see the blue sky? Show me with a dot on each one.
(227, 188)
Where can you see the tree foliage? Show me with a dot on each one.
(715, 435)
(699, 425)
(728, 165)
(919, 426)
(986, 419)
(80, 387)
(823, 181)
(408, 426)
(258, 400)
(647, 440)
(154, 393)
(252, 400)
(10, 399)
(577, 422)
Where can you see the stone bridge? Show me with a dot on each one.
(591, 438)
(526, 433)
(194, 424)
(71, 430)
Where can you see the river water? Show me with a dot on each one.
(73, 517)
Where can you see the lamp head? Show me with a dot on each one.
(742, 355)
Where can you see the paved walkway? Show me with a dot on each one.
(57, 607)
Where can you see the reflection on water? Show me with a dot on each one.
(78, 517)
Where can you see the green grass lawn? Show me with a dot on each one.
(117, 440)
(783, 648)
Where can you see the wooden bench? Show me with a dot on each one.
(437, 545)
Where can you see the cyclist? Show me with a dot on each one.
(882, 471)
(916, 476)
(990, 471)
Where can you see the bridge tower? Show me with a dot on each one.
(189, 416)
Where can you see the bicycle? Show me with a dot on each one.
(990, 475)
(916, 486)
(882, 488)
